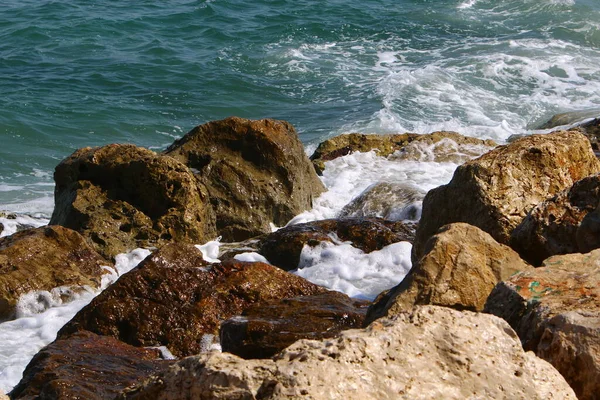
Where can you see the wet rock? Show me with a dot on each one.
(43, 259)
(588, 232)
(568, 118)
(256, 173)
(459, 269)
(86, 366)
(283, 247)
(430, 353)
(266, 328)
(176, 299)
(496, 191)
(552, 226)
(121, 197)
(555, 310)
(387, 200)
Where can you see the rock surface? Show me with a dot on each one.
(174, 298)
(256, 173)
(43, 259)
(266, 328)
(86, 366)
(495, 191)
(555, 310)
(459, 269)
(121, 197)
(431, 353)
(551, 227)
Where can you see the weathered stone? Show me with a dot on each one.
(266, 328)
(555, 310)
(174, 298)
(42, 259)
(430, 353)
(121, 197)
(588, 232)
(568, 118)
(86, 366)
(495, 191)
(283, 247)
(459, 269)
(256, 173)
(551, 227)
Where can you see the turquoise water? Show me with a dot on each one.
(85, 73)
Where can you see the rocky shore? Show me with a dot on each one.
(502, 301)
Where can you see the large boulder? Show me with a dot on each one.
(256, 173)
(459, 269)
(176, 299)
(551, 227)
(43, 259)
(86, 366)
(266, 328)
(430, 353)
(121, 197)
(555, 310)
(495, 191)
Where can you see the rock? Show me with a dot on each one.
(430, 353)
(387, 200)
(176, 299)
(459, 269)
(568, 118)
(551, 227)
(86, 366)
(588, 232)
(591, 129)
(495, 191)
(555, 310)
(283, 247)
(256, 173)
(386, 145)
(43, 259)
(121, 197)
(266, 328)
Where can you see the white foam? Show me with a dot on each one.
(21, 221)
(251, 257)
(210, 250)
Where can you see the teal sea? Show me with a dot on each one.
(86, 73)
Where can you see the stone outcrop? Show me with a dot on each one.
(42, 259)
(174, 298)
(459, 269)
(86, 366)
(551, 227)
(121, 197)
(432, 352)
(495, 191)
(256, 173)
(555, 310)
(266, 328)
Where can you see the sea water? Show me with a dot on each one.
(87, 73)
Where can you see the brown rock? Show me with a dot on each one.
(459, 269)
(266, 328)
(495, 191)
(256, 173)
(86, 366)
(121, 197)
(588, 232)
(174, 298)
(551, 227)
(555, 310)
(43, 259)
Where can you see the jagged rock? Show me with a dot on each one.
(459, 269)
(588, 232)
(43, 259)
(174, 298)
(86, 366)
(551, 227)
(266, 328)
(386, 145)
(121, 197)
(256, 173)
(388, 200)
(430, 353)
(555, 310)
(495, 191)
(283, 247)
